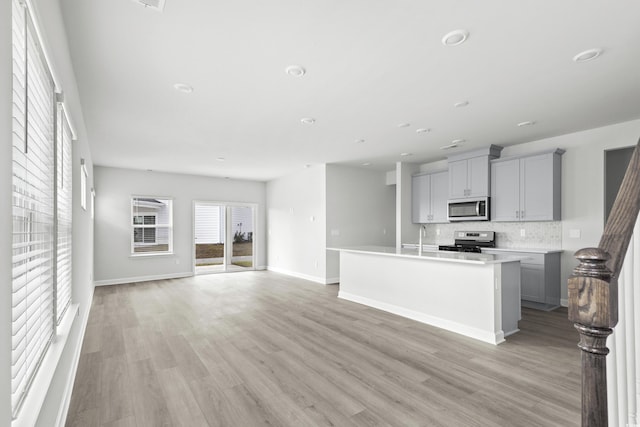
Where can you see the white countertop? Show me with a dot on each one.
(531, 251)
(433, 246)
(432, 255)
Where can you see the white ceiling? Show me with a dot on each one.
(371, 65)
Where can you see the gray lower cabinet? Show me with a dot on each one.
(429, 198)
(539, 277)
(526, 188)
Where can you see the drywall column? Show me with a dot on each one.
(406, 231)
(5, 211)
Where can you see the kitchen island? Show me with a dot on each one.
(473, 294)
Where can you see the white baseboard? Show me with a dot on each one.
(303, 276)
(66, 399)
(261, 267)
(142, 278)
(564, 302)
(488, 337)
(332, 281)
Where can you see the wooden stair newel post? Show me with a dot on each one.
(593, 308)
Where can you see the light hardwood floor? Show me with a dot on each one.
(259, 348)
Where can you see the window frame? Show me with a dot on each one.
(156, 226)
(84, 175)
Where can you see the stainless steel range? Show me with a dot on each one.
(471, 241)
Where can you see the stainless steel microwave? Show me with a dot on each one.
(476, 209)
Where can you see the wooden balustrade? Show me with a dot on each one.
(593, 294)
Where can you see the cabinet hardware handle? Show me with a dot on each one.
(517, 214)
(521, 214)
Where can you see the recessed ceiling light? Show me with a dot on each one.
(405, 154)
(423, 130)
(527, 123)
(359, 141)
(587, 55)
(221, 159)
(461, 104)
(149, 170)
(453, 144)
(366, 164)
(183, 87)
(308, 120)
(404, 125)
(295, 71)
(307, 166)
(152, 4)
(456, 37)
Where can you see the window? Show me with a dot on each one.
(41, 200)
(151, 223)
(83, 185)
(64, 217)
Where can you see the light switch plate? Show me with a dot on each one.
(574, 233)
(523, 232)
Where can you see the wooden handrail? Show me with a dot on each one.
(593, 294)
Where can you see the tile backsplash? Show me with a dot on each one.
(538, 235)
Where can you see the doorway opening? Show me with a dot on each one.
(224, 237)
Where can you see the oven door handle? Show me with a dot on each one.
(478, 208)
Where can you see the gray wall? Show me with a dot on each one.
(114, 188)
(360, 211)
(58, 391)
(296, 223)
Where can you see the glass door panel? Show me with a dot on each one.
(241, 224)
(209, 236)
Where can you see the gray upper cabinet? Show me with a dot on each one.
(469, 172)
(420, 198)
(439, 196)
(429, 198)
(505, 190)
(469, 178)
(526, 188)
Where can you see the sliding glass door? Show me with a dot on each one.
(242, 240)
(223, 237)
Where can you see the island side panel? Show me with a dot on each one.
(509, 284)
(460, 297)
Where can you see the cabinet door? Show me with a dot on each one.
(420, 195)
(458, 179)
(536, 188)
(505, 190)
(532, 282)
(439, 194)
(478, 176)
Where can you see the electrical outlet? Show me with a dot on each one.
(575, 233)
(437, 231)
(523, 232)
(177, 261)
(335, 232)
